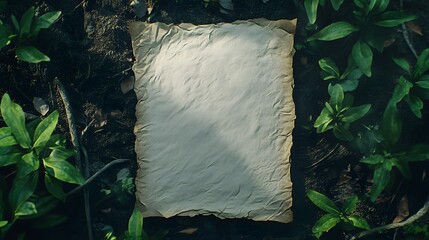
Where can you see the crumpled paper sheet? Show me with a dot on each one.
(214, 119)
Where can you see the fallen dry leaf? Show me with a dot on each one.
(403, 210)
(414, 28)
(189, 231)
(41, 106)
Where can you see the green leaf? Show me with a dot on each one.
(342, 133)
(336, 4)
(325, 223)
(61, 153)
(393, 18)
(349, 84)
(48, 221)
(44, 205)
(362, 56)
(422, 64)
(22, 189)
(334, 31)
(337, 95)
(44, 131)
(349, 205)
(401, 90)
(380, 6)
(26, 21)
(415, 153)
(392, 123)
(373, 159)
(311, 9)
(135, 225)
(31, 127)
(29, 163)
(403, 167)
(359, 222)
(63, 170)
(25, 209)
(47, 19)
(415, 104)
(6, 137)
(324, 117)
(3, 223)
(10, 158)
(15, 23)
(329, 66)
(54, 187)
(30, 54)
(423, 84)
(323, 202)
(402, 63)
(381, 179)
(355, 113)
(14, 117)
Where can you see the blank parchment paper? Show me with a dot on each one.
(214, 119)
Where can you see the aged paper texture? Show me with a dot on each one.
(215, 116)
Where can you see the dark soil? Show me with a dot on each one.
(91, 54)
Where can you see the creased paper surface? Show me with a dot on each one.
(214, 119)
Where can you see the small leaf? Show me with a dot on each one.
(349, 205)
(415, 104)
(44, 131)
(22, 189)
(423, 84)
(324, 117)
(422, 64)
(392, 123)
(401, 90)
(401, 62)
(323, 202)
(334, 31)
(26, 21)
(336, 4)
(63, 170)
(6, 137)
(329, 66)
(15, 119)
(381, 179)
(135, 225)
(373, 159)
(355, 113)
(54, 187)
(28, 164)
(61, 153)
(311, 9)
(31, 54)
(380, 6)
(359, 222)
(362, 56)
(393, 18)
(349, 84)
(325, 223)
(337, 95)
(3, 223)
(47, 19)
(342, 133)
(25, 209)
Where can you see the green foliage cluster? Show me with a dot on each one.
(335, 215)
(416, 231)
(364, 30)
(22, 33)
(30, 152)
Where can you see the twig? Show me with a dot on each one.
(93, 177)
(76, 144)
(323, 158)
(410, 220)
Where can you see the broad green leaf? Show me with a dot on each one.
(63, 170)
(334, 31)
(359, 222)
(15, 119)
(381, 179)
(373, 159)
(25, 23)
(48, 221)
(28, 164)
(323, 202)
(9, 158)
(25, 209)
(31, 126)
(371, 5)
(61, 153)
(311, 9)
(355, 113)
(47, 19)
(362, 56)
(349, 84)
(329, 108)
(326, 223)
(6, 137)
(329, 66)
(422, 64)
(44, 131)
(393, 18)
(392, 123)
(337, 95)
(22, 189)
(3, 223)
(415, 104)
(324, 117)
(423, 84)
(30, 54)
(336, 4)
(403, 167)
(349, 205)
(401, 90)
(402, 63)
(44, 205)
(54, 187)
(342, 133)
(135, 225)
(380, 6)
(326, 126)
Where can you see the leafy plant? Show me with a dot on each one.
(416, 231)
(135, 230)
(338, 113)
(335, 215)
(312, 5)
(35, 152)
(24, 32)
(122, 190)
(349, 79)
(370, 19)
